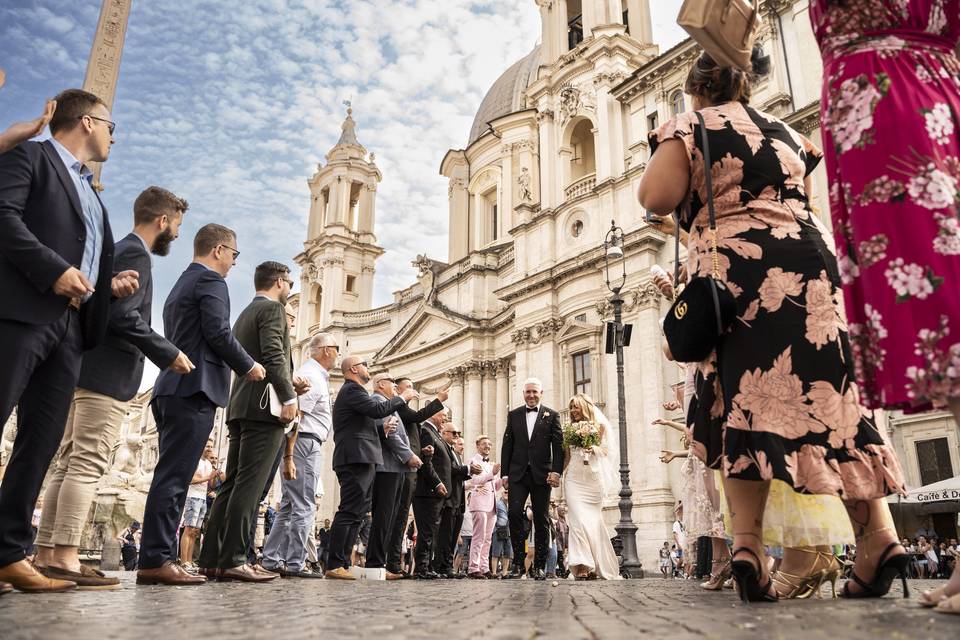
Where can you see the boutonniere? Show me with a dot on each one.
(546, 414)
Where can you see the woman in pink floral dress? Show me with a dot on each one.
(891, 118)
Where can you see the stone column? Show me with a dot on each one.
(367, 207)
(508, 189)
(548, 189)
(640, 25)
(472, 415)
(455, 399)
(502, 406)
(489, 405)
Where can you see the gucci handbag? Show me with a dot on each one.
(705, 308)
(724, 28)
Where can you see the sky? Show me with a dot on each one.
(231, 105)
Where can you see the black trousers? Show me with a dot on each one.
(704, 556)
(183, 426)
(356, 499)
(41, 364)
(426, 513)
(451, 519)
(539, 495)
(395, 540)
(251, 552)
(250, 456)
(386, 495)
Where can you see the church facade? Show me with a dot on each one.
(554, 155)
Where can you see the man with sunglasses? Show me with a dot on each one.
(56, 275)
(356, 454)
(285, 549)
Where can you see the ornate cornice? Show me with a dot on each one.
(645, 296)
(535, 334)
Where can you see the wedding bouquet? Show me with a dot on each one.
(581, 434)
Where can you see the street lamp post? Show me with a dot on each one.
(626, 530)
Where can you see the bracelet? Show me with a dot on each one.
(289, 456)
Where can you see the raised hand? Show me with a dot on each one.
(21, 131)
(475, 469)
(72, 284)
(410, 394)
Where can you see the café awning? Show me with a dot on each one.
(945, 490)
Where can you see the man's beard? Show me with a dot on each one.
(161, 244)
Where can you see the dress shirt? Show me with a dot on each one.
(531, 420)
(145, 246)
(92, 214)
(315, 405)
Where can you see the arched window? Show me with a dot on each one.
(489, 200)
(583, 161)
(676, 103)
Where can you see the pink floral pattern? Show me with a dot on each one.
(778, 397)
(891, 124)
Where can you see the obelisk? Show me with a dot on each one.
(103, 68)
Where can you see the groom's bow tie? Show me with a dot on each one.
(534, 409)
(486, 459)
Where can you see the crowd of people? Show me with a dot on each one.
(782, 453)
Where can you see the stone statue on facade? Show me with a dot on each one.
(428, 271)
(524, 181)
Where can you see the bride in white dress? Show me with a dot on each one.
(589, 476)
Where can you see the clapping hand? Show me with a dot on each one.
(300, 385)
(125, 283)
(390, 425)
(475, 469)
(21, 131)
(496, 468)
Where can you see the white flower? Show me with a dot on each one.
(849, 270)
(933, 188)
(908, 280)
(853, 114)
(947, 241)
(939, 123)
(876, 322)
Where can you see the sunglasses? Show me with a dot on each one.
(236, 254)
(111, 126)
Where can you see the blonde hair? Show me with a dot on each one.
(583, 402)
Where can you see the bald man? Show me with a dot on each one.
(356, 454)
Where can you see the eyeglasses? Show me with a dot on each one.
(360, 364)
(236, 254)
(455, 433)
(335, 347)
(111, 126)
(287, 280)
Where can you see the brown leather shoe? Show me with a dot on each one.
(87, 579)
(5, 588)
(246, 573)
(339, 574)
(24, 577)
(394, 576)
(263, 571)
(168, 574)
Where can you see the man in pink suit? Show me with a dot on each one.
(482, 505)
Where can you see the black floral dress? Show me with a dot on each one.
(778, 399)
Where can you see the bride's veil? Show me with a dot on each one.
(610, 460)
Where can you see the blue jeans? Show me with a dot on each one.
(552, 558)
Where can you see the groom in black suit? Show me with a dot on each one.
(532, 454)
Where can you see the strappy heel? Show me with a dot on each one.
(747, 578)
(809, 584)
(888, 569)
(715, 583)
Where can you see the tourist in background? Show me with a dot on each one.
(195, 508)
(501, 547)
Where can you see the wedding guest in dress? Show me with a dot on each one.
(588, 478)
(890, 110)
(788, 405)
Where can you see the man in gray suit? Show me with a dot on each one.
(255, 433)
(397, 460)
(109, 377)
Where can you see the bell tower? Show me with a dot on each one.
(567, 23)
(340, 254)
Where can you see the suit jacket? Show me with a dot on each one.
(263, 332)
(484, 487)
(411, 423)
(355, 439)
(542, 453)
(196, 318)
(436, 468)
(395, 447)
(459, 472)
(129, 336)
(42, 235)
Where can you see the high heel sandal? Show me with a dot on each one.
(888, 569)
(747, 578)
(805, 586)
(715, 583)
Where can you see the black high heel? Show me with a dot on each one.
(887, 571)
(747, 578)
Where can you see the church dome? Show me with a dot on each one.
(507, 93)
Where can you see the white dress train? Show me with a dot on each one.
(584, 485)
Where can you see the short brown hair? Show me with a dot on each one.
(154, 202)
(267, 273)
(210, 236)
(71, 105)
(719, 84)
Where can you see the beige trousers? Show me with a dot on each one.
(93, 427)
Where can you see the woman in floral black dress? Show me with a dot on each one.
(778, 400)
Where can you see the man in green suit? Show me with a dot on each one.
(255, 434)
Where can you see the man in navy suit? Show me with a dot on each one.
(196, 318)
(57, 281)
(356, 454)
(109, 378)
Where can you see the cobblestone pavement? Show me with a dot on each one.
(286, 609)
